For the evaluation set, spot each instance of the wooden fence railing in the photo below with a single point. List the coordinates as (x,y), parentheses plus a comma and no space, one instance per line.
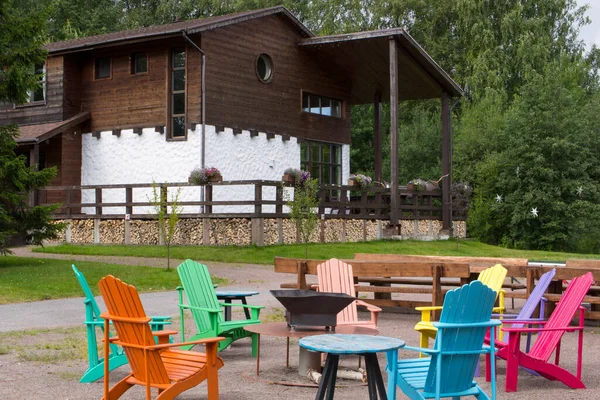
(266,201)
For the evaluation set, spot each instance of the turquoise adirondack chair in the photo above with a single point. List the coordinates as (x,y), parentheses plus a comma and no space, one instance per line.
(92,321)
(206,310)
(466,316)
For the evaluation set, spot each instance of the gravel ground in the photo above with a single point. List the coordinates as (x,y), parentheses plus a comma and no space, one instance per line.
(46,364)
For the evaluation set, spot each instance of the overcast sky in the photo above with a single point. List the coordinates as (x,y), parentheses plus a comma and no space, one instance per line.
(591,33)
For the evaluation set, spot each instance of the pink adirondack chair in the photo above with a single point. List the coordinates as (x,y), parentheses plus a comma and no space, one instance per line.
(550,335)
(335,276)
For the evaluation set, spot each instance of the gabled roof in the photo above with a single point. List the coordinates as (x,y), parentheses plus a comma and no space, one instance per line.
(173,29)
(31,134)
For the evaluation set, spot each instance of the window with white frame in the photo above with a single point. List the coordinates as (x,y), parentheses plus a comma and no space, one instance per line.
(38,94)
(314,104)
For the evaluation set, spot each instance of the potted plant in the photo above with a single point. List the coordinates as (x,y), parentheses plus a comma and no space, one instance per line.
(203,176)
(359,180)
(415,185)
(295,176)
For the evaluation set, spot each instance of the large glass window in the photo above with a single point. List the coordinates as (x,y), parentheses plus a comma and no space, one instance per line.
(178,93)
(311,103)
(39,93)
(323,160)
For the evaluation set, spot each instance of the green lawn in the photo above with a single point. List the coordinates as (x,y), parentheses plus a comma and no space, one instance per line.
(31,279)
(265,254)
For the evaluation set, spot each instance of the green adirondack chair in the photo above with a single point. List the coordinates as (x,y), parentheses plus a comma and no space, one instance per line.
(466,316)
(207,311)
(92,321)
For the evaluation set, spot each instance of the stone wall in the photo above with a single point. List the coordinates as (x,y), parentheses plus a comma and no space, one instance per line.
(240,232)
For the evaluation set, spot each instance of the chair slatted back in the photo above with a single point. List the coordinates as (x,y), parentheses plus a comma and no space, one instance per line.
(493,277)
(200,292)
(535,297)
(336,276)
(122,300)
(561,317)
(87,292)
(468,304)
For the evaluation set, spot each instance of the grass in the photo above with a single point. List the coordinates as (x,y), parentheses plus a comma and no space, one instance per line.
(32,279)
(265,254)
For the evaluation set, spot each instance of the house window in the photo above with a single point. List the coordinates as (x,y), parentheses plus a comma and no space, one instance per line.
(313,104)
(139,63)
(178,93)
(264,68)
(102,68)
(323,160)
(39,93)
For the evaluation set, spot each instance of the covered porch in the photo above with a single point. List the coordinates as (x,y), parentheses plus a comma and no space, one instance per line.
(389,66)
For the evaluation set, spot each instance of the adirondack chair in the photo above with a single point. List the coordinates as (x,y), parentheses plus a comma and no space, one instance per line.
(548,340)
(93,321)
(207,311)
(466,316)
(336,276)
(152,365)
(535,299)
(492,277)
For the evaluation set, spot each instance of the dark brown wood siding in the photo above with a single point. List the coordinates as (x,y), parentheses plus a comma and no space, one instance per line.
(71,86)
(237,98)
(39,113)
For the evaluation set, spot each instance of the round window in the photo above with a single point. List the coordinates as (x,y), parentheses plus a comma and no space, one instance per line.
(264,67)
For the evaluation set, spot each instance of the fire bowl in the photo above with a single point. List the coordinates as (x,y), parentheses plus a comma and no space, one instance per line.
(308,308)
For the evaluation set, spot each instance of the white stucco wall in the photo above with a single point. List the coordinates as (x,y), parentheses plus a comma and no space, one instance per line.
(149,157)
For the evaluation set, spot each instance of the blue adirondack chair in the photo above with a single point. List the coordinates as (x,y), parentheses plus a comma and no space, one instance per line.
(466,316)
(92,321)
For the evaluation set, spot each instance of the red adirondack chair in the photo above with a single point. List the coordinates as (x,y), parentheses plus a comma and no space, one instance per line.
(336,276)
(549,338)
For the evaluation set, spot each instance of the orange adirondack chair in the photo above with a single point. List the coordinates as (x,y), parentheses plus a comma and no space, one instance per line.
(335,276)
(152,365)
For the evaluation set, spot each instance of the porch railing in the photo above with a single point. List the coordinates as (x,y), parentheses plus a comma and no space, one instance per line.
(234,199)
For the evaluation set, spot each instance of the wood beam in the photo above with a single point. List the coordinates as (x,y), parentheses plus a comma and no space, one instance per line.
(446,165)
(394,198)
(377,135)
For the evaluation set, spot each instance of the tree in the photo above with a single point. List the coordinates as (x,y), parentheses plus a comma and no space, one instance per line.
(303,207)
(21,39)
(167,221)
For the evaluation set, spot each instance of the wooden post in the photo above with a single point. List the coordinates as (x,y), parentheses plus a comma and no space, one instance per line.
(377,135)
(128,211)
(257,200)
(205,231)
(98,201)
(436,290)
(394,131)
(446,166)
(301,282)
(208,198)
(96,230)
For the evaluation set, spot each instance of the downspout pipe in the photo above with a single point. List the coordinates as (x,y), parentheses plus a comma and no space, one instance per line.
(202,110)
(202,97)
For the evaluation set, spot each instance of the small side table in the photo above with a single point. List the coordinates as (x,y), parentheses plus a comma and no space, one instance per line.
(228,295)
(365,345)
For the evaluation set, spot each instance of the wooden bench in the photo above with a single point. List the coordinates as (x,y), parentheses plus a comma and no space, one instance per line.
(400,271)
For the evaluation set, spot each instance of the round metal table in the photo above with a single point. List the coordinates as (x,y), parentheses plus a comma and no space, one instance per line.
(365,345)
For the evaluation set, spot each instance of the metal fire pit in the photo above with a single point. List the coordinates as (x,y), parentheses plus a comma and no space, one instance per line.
(310,308)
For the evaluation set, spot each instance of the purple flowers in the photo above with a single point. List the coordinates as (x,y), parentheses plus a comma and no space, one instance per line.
(201,176)
(360,180)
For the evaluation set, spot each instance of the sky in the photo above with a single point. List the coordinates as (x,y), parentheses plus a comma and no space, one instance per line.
(591,33)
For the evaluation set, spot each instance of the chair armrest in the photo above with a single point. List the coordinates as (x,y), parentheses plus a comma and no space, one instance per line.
(241,305)
(526,330)
(369,307)
(314,287)
(493,322)
(211,310)
(428,308)
(168,345)
(157,318)
(164,335)
(420,349)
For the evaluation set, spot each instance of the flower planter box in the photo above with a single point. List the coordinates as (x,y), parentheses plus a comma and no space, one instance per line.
(288,179)
(215,179)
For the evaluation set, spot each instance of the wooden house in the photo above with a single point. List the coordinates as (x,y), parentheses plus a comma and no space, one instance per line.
(251,93)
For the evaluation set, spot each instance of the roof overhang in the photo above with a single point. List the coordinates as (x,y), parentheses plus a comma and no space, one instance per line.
(34,134)
(170,30)
(363,58)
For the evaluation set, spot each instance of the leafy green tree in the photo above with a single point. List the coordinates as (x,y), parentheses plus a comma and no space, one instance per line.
(21,38)
(167,221)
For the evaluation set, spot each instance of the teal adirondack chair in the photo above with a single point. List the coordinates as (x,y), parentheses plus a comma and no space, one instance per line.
(92,321)
(207,311)
(466,316)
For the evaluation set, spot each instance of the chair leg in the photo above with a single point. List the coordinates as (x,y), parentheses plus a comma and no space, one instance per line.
(512,364)
(424,343)
(254,344)
(120,387)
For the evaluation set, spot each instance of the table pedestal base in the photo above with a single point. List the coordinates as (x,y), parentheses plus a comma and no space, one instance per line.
(308,360)
(374,378)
